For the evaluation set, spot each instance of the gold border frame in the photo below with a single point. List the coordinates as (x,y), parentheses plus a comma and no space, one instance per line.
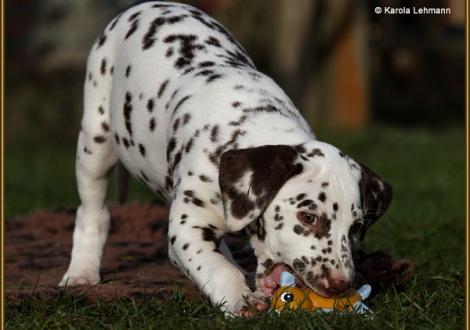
(2,153)
(2,248)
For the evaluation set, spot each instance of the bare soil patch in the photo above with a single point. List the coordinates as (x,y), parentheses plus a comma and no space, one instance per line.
(135,261)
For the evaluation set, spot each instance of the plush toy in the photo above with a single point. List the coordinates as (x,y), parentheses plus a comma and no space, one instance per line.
(289,296)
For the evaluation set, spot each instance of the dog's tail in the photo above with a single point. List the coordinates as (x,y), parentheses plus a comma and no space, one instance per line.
(122,183)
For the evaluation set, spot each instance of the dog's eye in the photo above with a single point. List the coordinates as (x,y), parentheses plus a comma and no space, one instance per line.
(307,218)
(287,297)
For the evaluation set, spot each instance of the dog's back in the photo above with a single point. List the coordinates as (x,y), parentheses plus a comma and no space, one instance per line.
(169,79)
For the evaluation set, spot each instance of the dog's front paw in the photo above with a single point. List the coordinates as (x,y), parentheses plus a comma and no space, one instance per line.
(251,305)
(79,279)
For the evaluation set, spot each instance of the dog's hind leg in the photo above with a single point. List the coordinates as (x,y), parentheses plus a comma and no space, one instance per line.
(95,158)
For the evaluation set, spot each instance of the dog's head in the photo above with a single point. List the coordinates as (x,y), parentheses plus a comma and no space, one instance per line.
(306,206)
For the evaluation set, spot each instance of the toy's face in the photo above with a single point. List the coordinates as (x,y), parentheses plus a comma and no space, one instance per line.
(315,219)
(292,298)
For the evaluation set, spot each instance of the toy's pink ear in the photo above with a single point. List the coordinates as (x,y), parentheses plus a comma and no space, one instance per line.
(250,178)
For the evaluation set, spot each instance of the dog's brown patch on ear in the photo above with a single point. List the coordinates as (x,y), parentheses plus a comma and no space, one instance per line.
(269,167)
(376,196)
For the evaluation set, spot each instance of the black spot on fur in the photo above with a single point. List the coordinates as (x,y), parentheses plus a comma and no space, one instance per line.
(116,137)
(213,42)
(103,66)
(335,207)
(215,133)
(142,149)
(322,197)
(152,124)
(324,184)
(186,118)
(315,152)
(204,178)
(127,109)
(150,105)
(213,77)
(185,246)
(182,61)
(134,16)
(307,203)
(298,229)
(149,37)
(99,139)
(132,29)
(180,103)
(298,265)
(176,124)
(169,52)
(128,70)
(240,121)
(204,73)
(206,64)
(105,126)
(171,147)
(101,110)
(198,202)
(300,197)
(209,235)
(101,40)
(113,24)
(189,145)
(162,88)
(172,240)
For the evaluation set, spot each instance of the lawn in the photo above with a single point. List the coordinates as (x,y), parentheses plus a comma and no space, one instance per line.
(425,223)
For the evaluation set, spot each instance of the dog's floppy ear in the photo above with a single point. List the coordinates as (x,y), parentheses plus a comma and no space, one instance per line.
(376,196)
(250,178)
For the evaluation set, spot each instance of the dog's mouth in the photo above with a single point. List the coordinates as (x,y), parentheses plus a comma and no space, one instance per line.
(271,281)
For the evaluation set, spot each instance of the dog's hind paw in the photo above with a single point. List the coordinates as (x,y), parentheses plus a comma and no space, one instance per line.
(76,280)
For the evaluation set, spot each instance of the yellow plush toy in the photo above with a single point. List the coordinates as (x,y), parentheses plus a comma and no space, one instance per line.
(291,297)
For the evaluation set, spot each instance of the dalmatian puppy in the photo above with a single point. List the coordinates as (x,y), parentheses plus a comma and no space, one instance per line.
(175,98)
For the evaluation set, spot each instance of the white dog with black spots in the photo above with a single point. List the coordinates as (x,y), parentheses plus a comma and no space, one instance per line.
(175,98)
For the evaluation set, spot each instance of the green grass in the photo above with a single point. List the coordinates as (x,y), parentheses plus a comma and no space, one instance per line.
(41,178)
(425,223)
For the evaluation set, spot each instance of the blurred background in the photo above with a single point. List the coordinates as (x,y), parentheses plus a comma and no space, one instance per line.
(355,75)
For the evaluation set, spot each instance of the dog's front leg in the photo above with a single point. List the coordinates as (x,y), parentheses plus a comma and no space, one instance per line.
(193,235)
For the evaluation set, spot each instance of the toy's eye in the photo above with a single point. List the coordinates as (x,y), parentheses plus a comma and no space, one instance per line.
(307,218)
(287,297)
